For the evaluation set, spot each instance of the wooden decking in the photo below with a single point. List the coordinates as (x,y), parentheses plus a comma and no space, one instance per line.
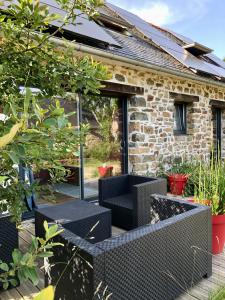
(201,291)
(25,291)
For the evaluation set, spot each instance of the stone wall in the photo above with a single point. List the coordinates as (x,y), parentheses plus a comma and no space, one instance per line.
(151,118)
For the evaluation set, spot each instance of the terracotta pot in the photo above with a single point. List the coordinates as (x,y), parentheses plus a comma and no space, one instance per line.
(105,171)
(203,202)
(177,183)
(218,234)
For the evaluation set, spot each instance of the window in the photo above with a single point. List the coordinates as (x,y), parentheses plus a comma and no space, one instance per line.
(180,122)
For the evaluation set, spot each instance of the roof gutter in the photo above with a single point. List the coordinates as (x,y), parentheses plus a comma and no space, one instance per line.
(94,51)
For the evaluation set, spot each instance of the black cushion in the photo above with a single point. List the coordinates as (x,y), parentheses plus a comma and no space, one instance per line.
(124,201)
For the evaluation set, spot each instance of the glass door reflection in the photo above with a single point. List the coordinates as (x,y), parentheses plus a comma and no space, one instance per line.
(103,152)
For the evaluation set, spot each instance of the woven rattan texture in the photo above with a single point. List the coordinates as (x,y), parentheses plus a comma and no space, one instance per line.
(133,188)
(152,262)
(8,238)
(84,219)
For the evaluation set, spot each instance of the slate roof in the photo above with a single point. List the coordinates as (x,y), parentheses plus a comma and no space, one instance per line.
(136,48)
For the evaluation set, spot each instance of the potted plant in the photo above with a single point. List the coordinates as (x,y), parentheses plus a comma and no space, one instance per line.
(178,176)
(210,190)
(105,171)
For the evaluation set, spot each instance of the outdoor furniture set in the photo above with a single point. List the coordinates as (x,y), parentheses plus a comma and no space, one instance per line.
(164,251)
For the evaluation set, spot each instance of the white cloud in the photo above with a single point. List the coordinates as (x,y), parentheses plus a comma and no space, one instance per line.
(157,13)
(166,12)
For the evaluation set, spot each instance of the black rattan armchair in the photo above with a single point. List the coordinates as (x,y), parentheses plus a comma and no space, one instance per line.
(128,198)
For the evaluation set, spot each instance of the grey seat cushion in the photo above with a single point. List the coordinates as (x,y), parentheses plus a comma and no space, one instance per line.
(123,201)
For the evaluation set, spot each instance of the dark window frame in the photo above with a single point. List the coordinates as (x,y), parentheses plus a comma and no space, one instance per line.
(181,110)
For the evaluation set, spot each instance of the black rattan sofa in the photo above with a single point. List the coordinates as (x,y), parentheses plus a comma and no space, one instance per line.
(128,198)
(158,261)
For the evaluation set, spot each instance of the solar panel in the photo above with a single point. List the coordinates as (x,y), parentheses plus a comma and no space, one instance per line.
(181,37)
(211,56)
(167,44)
(216,59)
(83,26)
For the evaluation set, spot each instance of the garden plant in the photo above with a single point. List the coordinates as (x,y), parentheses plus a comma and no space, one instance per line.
(35,74)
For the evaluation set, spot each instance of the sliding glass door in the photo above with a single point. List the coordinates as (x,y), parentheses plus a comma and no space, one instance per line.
(104,152)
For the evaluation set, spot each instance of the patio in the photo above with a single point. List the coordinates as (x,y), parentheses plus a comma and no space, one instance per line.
(201,291)
(106,115)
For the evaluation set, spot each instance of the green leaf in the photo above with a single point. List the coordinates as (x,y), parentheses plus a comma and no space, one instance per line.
(26,257)
(5,285)
(45,226)
(52,230)
(21,275)
(17,256)
(50,122)
(62,122)
(42,241)
(4,267)
(14,157)
(32,275)
(13,282)
(28,95)
(46,254)
(57,112)
(34,242)
(51,245)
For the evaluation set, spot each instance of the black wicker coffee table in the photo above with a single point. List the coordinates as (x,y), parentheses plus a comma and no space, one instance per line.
(79,217)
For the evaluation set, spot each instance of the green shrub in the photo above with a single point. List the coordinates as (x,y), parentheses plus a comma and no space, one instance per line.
(104,151)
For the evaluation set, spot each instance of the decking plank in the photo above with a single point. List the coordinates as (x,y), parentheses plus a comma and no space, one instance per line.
(27,290)
(11,294)
(186,297)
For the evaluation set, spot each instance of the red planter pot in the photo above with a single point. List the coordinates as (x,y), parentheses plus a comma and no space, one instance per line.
(177,183)
(218,234)
(105,171)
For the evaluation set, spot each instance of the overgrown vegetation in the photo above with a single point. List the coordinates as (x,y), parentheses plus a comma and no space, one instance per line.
(210,186)
(104,112)
(35,132)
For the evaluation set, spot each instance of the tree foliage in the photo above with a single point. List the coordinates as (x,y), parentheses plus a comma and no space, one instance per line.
(24,265)
(35,73)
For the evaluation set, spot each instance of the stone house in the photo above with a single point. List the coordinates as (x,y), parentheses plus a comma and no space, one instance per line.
(175,97)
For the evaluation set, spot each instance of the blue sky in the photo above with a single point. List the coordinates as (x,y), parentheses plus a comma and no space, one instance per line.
(201,20)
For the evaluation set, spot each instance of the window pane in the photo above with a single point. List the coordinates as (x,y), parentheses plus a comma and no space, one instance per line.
(180,118)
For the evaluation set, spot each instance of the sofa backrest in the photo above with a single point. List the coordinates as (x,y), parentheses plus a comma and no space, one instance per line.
(136,179)
(111,187)
(139,263)
(151,262)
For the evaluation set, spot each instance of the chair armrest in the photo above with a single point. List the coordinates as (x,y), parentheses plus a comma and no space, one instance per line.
(112,187)
(157,186)
(142,193)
